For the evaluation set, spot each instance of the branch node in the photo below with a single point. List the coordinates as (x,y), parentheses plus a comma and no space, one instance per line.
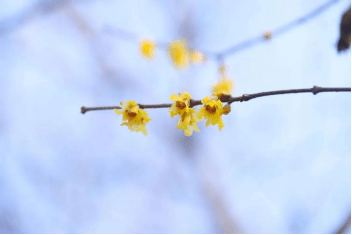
(244,97)
(225,98)
(316,90)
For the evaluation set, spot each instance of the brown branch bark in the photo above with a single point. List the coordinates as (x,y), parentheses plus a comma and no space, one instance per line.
(344,226)
(315,90)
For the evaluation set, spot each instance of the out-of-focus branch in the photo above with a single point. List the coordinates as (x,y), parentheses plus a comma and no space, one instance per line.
(281,30)
(315,90)
(220,56)
(85,28)
(40,8)
(47,6)
(344,226)
(209,176)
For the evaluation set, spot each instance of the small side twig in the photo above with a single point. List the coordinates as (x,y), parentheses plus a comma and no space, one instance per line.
(344,226)
(315,90)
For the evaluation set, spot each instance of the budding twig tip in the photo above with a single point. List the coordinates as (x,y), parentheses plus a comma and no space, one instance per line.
(83,110)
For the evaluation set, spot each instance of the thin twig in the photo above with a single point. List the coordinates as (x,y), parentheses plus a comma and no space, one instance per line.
(282,29)
(315,90)
(40,8)
(344,226)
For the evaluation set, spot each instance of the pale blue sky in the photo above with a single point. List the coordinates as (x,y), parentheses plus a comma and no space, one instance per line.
(282,164)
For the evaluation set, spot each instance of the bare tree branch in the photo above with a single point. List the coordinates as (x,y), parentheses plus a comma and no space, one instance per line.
(238,47)
(315,90)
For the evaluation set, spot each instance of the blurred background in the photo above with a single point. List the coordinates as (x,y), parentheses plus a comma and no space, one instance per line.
(281,164)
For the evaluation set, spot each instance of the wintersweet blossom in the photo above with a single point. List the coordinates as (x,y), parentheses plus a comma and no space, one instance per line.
(188,119)
(181,104)
(212,111)
(267,35)
(133,116)
(147,48)
(224,87)
(179,53)
(197,57)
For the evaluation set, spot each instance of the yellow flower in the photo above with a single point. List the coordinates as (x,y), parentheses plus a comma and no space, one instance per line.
(179,53)
(197,57)
(147,48)
(212,111)
(267,35)
(224,87)
(181,104)
(188,119)
(133,117)
(188,122)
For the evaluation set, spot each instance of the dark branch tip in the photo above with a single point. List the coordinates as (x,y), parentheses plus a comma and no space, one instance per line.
(83,110)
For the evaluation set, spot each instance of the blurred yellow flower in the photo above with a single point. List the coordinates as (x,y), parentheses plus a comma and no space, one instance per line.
(147,48)
(133,117)
(223,87)
(188,119)
(179,53)
(197,57)
(267,35)
(211,111)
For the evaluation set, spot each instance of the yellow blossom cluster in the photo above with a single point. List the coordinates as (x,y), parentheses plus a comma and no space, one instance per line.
(188,119)
(225,85)
(181,56)
(136,118)
(133,117)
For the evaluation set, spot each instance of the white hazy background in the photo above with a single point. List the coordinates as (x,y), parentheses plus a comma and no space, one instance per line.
(282,164)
